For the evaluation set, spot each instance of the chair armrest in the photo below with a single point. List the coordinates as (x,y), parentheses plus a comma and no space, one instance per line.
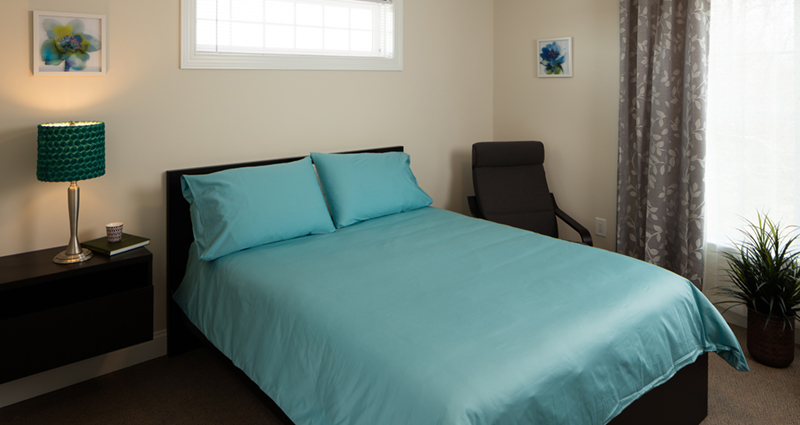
(586,237)
(473,207)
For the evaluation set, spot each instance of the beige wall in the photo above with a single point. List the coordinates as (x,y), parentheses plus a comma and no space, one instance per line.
(469,76)
(576,117)
(159,117)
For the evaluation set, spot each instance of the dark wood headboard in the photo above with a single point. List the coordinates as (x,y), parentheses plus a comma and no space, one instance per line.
(179,223)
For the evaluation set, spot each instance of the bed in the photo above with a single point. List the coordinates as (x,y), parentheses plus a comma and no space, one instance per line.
(427,316)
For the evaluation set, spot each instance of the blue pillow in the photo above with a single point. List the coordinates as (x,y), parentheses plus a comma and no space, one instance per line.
(362,186)
(245,207)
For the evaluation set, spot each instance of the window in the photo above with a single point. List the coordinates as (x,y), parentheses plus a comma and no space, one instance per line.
(753,146)
(752,153)
(292,34)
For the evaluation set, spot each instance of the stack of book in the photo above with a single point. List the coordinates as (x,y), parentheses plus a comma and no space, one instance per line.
(127,243)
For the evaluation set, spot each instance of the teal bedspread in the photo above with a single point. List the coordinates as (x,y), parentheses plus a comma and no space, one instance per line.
(431,317)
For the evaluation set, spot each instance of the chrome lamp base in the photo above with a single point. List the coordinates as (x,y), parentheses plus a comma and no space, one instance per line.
(64,258)
(74,252)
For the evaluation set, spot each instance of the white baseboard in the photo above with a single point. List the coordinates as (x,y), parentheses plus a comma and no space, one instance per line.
(735,319)
(54,379)
(741,321)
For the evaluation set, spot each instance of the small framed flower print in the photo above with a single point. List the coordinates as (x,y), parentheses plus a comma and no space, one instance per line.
(69,44)
(554,57)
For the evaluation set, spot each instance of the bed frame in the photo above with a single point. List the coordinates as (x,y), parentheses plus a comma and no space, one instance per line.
(681,400)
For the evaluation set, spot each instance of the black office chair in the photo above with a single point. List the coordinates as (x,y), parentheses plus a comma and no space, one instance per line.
(511,188)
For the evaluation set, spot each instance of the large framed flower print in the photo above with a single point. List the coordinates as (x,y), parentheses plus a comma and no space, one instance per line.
(69,44)
(554,57)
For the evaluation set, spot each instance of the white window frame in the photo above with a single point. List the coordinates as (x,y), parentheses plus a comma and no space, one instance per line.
(192,59)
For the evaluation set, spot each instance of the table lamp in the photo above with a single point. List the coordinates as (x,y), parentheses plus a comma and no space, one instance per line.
(68,152)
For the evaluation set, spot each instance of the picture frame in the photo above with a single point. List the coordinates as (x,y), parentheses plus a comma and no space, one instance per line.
(554,57)
(69,44)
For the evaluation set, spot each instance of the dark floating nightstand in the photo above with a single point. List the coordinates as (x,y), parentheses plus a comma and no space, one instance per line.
(53,314)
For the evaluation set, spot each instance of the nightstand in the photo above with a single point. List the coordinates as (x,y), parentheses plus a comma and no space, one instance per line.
(53,314)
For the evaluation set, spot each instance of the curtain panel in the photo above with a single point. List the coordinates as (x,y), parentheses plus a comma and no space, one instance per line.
(663,73)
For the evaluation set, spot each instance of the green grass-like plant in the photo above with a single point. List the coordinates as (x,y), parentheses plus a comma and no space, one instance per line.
(764,271)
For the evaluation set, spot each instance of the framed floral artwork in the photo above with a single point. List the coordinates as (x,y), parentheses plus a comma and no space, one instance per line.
(69,44)
(554,57)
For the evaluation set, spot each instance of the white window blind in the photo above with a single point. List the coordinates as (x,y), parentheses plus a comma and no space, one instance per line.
(292,34)
(752,159)
(753,127)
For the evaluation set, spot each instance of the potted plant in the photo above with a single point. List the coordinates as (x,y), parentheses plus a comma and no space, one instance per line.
(765,276)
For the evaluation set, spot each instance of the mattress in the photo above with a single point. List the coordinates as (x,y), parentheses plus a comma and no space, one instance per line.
(431,317)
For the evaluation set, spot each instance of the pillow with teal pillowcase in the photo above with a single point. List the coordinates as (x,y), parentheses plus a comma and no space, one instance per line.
(241,208)
(362,186)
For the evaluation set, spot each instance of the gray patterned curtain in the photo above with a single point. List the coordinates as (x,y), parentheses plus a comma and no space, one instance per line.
(663,71)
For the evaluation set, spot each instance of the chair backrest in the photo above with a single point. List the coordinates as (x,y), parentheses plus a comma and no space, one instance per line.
(511,187)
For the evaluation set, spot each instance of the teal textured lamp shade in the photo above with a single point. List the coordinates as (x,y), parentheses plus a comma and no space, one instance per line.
(71,151)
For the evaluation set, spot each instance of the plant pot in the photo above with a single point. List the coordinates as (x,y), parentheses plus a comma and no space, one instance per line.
(771,346)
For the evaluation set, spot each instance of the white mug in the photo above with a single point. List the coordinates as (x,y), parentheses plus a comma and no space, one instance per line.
(114,232)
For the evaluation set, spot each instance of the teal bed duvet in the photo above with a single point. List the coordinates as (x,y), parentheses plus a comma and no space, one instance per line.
(431,317)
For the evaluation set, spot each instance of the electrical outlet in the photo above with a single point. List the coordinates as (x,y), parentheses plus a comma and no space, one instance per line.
(600,227)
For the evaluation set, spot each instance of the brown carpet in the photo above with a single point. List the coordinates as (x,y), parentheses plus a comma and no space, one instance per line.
(200,388)
(763,396)
(195,388)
